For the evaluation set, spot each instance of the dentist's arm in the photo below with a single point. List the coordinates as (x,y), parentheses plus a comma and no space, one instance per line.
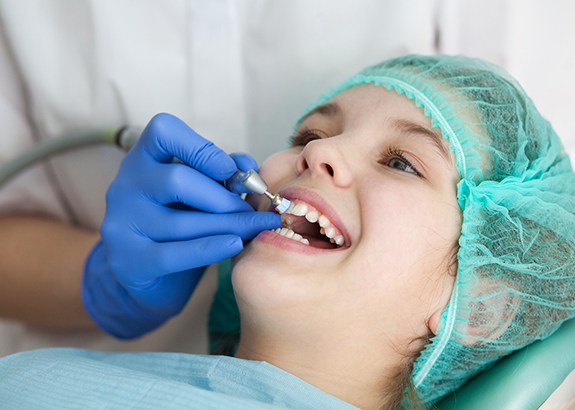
(164,223)
(41,264)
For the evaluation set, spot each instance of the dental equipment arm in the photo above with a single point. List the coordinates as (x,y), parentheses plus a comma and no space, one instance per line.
(164,223)
(123,137)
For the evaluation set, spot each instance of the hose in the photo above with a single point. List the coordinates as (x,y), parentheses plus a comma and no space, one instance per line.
(124,137)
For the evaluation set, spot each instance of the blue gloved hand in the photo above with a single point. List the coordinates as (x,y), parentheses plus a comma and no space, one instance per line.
(164,223)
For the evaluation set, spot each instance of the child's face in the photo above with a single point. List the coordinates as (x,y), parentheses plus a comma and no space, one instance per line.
(370,161)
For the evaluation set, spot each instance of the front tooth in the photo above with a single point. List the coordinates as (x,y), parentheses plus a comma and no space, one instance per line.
(278,230)
(304,241)
(290,208)
(330,231)
(289,233)
(323,221)
(283,231)
(312,216)
(339,240)
(300,209)
(297,237)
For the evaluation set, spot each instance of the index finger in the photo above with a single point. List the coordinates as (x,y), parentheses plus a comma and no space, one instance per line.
(166,137)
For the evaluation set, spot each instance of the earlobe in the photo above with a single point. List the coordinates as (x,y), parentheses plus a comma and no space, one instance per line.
(433,321)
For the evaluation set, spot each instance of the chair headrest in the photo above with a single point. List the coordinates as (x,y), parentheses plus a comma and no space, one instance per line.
(521,381)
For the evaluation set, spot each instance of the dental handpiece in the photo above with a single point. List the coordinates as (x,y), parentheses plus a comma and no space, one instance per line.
(251,182)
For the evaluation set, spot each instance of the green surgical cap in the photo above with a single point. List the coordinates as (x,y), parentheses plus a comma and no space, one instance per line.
(515,280)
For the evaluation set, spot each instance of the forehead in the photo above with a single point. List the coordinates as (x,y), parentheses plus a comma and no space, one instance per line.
(377,102)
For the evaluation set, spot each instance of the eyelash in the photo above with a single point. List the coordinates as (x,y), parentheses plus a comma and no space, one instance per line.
(395,153)
(299,139)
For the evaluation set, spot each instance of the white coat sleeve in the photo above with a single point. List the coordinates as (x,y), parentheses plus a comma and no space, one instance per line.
(32,191)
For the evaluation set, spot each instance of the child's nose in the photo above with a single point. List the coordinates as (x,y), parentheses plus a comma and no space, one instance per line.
(325,158)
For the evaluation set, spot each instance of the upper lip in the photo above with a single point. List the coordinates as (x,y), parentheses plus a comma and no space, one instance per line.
(318,202)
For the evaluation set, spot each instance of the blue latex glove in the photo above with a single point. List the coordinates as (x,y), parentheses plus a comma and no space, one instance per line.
(164,223)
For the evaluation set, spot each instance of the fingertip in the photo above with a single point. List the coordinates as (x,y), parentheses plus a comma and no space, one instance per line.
(244,161)
(265,220)
(216,163)
(273,219)
(235,243)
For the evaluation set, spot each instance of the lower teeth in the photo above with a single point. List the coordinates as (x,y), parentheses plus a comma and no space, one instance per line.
(287,232)
(290,234)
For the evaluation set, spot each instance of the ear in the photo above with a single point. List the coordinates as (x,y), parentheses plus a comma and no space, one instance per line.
(433,321)
(491,309)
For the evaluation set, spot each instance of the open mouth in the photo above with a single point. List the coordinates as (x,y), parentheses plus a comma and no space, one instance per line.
(303,223)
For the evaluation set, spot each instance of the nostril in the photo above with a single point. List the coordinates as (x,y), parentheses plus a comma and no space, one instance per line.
(301,165)
(329,169)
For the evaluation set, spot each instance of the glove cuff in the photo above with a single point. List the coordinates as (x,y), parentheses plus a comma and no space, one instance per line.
(109,305)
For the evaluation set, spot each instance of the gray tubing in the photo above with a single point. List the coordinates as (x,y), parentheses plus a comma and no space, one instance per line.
(60,145)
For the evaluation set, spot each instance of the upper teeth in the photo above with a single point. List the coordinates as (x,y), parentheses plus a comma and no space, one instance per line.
(312,215)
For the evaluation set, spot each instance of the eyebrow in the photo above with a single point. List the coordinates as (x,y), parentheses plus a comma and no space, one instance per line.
(330,109)
(412,128)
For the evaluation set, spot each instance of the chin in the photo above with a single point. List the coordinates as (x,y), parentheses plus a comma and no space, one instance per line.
(251,276)
(262,278)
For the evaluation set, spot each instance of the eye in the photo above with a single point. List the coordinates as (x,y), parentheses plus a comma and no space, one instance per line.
(395,158)
(304,136)
(400,164)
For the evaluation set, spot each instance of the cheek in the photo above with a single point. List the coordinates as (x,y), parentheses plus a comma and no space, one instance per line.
(278,166)
(277,170)
(407,233)
(408,217)
(390,216)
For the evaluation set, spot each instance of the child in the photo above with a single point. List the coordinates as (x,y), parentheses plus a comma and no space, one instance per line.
(456,200)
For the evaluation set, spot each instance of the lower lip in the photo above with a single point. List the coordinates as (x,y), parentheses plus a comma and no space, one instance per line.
(287,244)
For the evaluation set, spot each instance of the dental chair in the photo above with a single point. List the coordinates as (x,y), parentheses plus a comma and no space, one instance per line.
(523,380)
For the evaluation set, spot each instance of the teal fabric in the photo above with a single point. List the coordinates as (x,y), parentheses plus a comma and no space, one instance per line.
(66,379)
(523,380)
(224,320)
(515,281)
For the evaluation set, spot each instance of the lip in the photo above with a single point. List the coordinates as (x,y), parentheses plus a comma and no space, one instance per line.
(318,202)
